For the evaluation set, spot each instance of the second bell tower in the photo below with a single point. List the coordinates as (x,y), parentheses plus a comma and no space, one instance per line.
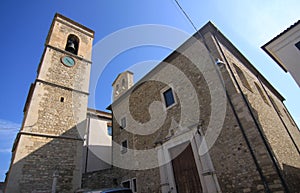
(48,149)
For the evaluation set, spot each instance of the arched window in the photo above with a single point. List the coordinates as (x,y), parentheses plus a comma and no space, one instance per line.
(72,44)
(117,89)
(123,83)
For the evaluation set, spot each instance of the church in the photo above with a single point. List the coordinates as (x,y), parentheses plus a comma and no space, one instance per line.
(203,120)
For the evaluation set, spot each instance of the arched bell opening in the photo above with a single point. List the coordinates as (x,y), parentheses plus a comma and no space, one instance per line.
(72,44)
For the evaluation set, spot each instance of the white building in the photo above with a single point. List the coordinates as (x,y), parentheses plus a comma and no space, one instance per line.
(97,143)
(284,49)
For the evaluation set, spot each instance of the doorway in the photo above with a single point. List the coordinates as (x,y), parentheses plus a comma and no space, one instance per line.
(185,171)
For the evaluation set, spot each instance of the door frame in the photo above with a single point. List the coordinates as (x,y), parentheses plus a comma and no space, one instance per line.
(209,183)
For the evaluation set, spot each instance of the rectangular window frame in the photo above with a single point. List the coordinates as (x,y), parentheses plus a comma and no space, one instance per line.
(123,123)
(126,181)
(123,148)
(132,185)
(162,93)
(109,130)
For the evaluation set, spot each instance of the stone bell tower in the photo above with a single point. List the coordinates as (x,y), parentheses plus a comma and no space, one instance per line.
(122,83)
(48,149)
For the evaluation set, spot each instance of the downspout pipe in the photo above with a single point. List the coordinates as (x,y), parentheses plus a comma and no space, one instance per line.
(269,150)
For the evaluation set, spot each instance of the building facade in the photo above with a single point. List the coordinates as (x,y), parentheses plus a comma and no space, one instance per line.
(284,50)
(97,141)
(204,120)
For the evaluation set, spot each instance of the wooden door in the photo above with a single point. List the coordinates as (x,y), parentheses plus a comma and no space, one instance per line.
(185,170)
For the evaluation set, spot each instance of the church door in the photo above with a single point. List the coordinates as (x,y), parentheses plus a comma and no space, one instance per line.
(185,170)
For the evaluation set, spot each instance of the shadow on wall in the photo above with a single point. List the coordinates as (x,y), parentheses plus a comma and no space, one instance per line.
(1,187)
(106,178)
(292,176)
(96,157)
(57,157)
(290,173)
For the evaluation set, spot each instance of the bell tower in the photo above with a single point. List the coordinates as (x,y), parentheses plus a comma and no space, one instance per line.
(48,149)
(122,83)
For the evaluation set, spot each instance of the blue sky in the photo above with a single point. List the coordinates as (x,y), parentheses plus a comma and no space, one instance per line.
(25,24)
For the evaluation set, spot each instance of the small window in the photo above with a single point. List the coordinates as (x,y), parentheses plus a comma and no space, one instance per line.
(124,146)
(117,89)
(123,123)
(62,99)
(263,96)
(298,45)
(134,188)
(131,184)
(169,97)
(242,77)
(109,130)
(123,83)
(126,184)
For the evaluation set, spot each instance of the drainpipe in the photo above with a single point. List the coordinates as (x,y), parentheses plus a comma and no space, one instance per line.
(54,182)
(269,150)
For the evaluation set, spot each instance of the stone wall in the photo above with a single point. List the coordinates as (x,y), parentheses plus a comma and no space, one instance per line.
(255,149)
(251,134)
(278,129)
(147,181)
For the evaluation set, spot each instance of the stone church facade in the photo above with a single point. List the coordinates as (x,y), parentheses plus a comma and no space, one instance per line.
(242,139)
(203,120)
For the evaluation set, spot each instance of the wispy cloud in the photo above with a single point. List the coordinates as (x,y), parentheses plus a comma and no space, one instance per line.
(8,131)
(8,126)
(5,150)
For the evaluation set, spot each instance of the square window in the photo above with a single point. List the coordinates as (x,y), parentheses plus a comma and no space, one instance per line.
(123,123)
(169,97)
(124,146)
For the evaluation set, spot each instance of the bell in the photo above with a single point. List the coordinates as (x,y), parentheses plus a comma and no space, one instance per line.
(71,47)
